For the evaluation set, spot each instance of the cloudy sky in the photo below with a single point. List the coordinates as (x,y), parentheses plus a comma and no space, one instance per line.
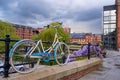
(79,15)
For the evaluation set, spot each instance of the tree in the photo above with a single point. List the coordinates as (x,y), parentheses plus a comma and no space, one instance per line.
(48,33)
(6,28)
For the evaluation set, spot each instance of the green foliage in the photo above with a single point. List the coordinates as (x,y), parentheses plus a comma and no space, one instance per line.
(80,58)
(21,58)
(48,34)
(35,37)
(6,28)
(50,63)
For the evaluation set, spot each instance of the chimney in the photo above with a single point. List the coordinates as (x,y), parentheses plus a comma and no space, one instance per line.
(117,2)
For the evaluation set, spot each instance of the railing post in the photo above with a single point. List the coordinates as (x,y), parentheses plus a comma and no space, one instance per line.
(6,64)
(89,51)
(64,57)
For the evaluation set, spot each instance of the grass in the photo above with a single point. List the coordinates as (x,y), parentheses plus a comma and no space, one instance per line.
(50,63)
(75,46)
(53,62)
(80,58)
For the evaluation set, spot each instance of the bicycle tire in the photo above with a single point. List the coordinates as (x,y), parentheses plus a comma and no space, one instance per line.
(17,56)
(62,53)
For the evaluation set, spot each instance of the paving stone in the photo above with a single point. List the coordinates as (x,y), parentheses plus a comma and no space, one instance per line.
(110,69)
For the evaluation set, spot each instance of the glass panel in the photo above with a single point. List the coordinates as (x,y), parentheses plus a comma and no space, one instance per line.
(106,18)
(112,21)
(109,25)
(113,12)
(113,17)
(105,31)
(105,25)
(106,13)
(109,30)
(113,25)
(112,30)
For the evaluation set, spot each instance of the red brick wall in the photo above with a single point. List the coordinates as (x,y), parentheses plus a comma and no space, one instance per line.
(87,38)
(79,74)
(67,29)
(24,32)
(115,1)
(118,26)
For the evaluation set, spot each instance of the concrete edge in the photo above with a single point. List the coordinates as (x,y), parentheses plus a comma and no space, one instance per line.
(56,72)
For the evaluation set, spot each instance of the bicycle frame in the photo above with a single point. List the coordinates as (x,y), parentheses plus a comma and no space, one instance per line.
(49,50)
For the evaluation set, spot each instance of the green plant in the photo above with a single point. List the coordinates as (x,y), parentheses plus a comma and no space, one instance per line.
(6,28)
(47,34)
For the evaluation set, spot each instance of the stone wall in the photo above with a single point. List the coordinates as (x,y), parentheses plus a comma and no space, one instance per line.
(79,74)
(70,71)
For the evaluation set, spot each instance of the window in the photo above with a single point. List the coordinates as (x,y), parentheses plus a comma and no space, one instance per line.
(106,18)
(113,12)
(113,17)
(112,30)
(109,26)
(105,31)
(106,13)
(105,25)
(113,25)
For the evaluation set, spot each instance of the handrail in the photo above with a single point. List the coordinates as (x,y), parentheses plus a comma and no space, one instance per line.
(7,41)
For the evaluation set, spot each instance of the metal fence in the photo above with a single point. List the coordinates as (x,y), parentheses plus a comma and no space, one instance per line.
(7,41)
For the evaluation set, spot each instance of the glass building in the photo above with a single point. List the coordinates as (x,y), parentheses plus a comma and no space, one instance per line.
(109,27)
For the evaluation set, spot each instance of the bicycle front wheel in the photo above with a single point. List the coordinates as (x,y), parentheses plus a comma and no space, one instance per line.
(18,60)
(62,53)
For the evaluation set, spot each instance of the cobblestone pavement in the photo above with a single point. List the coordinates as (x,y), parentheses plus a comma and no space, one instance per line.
(110,69)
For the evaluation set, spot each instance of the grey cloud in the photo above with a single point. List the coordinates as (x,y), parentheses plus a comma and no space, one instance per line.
(32,8)
(43,11)
(27,10)
(5,4)
(96,25)
(89,15)
(80,14)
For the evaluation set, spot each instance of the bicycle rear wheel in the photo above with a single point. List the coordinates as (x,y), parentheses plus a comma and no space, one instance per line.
(62,53)
(18,60)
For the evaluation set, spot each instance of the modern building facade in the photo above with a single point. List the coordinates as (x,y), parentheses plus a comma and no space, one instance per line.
(111,26)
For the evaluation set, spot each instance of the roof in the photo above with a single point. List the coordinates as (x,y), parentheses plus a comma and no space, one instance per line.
(77,35)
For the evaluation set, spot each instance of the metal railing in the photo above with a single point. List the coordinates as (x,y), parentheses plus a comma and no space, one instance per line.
(7,41)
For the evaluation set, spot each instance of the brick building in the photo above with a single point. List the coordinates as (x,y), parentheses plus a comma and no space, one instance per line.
(111,26)
(84,38)
(67,29)
(118,22)
(25,32)
(37,30)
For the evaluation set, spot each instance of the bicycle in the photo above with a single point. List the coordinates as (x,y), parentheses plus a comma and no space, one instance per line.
(29,53)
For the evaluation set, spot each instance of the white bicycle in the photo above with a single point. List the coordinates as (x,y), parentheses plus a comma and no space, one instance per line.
(29,53)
